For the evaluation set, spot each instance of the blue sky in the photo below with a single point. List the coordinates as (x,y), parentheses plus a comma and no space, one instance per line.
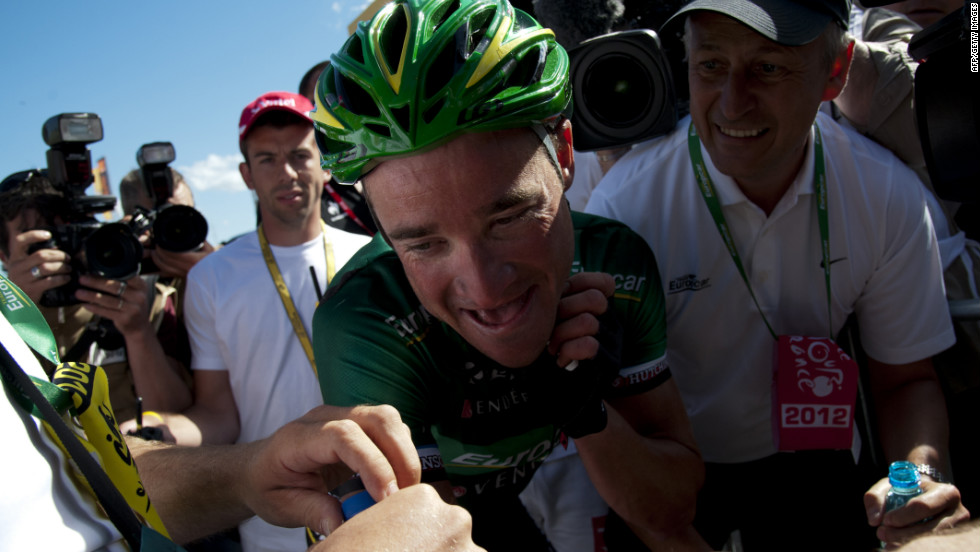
(174,71)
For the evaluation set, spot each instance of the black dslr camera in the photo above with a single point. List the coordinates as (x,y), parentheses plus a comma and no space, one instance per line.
(176,228)
(106,250)
(622,90)
(109,250)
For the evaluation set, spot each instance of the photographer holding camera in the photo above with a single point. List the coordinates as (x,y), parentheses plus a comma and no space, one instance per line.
(133,194)
(99,320)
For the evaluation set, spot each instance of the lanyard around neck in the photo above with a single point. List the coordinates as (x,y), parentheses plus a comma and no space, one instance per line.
(287,300)
(714,207)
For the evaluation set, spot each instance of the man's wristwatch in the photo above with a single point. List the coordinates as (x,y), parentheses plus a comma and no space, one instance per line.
(933,473)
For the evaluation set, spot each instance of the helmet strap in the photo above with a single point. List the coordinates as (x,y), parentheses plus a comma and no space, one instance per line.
(549,145)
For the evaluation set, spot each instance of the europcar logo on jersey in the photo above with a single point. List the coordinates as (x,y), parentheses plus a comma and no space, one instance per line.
(688,282)
(539,451)
(414,326)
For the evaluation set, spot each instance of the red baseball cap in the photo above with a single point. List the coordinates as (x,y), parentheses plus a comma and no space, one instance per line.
(273,101)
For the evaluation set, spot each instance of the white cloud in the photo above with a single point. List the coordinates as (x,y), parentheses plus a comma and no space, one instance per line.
(216,172)
(356,8)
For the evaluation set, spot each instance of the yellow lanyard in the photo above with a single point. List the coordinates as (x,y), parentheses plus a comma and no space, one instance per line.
(287,300)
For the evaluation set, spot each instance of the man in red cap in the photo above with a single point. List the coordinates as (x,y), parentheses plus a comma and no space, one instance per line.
(250,306)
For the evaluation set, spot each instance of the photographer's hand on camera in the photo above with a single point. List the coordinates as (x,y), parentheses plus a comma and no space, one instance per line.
(178,264)
(39,271)
(125,302)
(156,375)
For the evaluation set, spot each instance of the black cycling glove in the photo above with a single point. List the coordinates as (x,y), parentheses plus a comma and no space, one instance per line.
(572,398)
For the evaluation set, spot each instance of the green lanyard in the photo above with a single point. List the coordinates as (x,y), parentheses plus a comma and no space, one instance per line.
(714,207)
(103,458)
(24,316)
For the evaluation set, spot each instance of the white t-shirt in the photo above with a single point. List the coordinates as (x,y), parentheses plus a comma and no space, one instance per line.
(41,508)
(588,173)
(236,322)
(883,252)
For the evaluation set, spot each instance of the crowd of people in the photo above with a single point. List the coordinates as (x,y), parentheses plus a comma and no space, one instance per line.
(508,343)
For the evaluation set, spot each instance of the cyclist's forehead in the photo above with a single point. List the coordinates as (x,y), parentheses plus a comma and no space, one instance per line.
(476,174)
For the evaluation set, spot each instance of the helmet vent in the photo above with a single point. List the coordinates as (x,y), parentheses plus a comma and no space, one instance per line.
(354,98)
(443,67)
(476,27)
(439,17)
(401,115)
(354,49)
(329,146)
(429,114)
(528,70)
(522,21)
(392,39)
(380,130)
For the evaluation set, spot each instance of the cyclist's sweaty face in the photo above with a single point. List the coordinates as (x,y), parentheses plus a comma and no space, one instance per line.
(485,237)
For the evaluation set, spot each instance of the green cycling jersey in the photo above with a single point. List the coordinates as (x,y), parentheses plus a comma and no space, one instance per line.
(374,343)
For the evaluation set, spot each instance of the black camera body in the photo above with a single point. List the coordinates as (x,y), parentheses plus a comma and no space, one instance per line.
(176,228)
(106,250)
(947,104)
(622,90)
(109,250)
(95,247)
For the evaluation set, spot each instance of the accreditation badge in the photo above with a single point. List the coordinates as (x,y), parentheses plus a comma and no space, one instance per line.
(814,392)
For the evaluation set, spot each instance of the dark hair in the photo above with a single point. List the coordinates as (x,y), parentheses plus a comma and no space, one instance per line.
(277,118)
(308,82)
(30,190)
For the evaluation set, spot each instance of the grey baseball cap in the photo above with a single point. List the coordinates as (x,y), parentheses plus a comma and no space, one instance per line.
(787,22)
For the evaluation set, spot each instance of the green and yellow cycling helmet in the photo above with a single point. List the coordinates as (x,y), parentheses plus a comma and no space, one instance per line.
(424,71)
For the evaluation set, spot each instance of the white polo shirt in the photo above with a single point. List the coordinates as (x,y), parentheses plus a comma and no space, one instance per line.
(883,254)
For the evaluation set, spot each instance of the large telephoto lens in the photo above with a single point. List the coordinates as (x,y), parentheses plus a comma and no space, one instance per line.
(113,251)
(618,89)
(622,90)
(179,228)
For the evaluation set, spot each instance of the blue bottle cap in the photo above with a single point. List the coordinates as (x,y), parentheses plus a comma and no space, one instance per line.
(356,503)
(903,475)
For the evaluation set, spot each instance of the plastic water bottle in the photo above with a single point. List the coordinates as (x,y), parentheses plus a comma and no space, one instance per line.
(904,478)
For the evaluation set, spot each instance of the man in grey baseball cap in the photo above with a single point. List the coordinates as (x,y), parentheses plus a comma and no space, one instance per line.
(789,23)
(789,224)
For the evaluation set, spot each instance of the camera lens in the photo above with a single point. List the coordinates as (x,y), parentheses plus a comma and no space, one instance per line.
(179,228)
(619,89)
(622,90)
(113,251)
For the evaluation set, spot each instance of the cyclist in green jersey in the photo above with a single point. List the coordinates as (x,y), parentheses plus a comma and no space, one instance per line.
(499,323)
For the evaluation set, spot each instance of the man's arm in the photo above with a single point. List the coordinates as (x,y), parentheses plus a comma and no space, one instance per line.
(285,478)
(414,518)
(645,463)
(156,375)
(912,425)
(212,419)
(179,264)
